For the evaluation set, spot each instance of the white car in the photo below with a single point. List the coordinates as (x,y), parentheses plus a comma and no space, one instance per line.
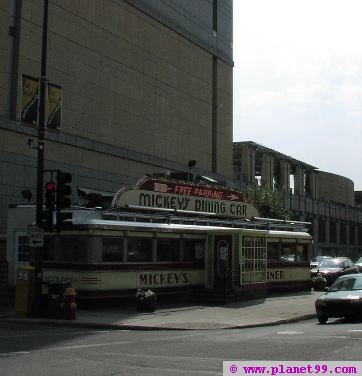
(358,263)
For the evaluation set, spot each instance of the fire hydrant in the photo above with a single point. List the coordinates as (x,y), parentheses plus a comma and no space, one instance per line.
(70,305)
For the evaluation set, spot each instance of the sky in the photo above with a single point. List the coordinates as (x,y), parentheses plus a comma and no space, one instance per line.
(298,80)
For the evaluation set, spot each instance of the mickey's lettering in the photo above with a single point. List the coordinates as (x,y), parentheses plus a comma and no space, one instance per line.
(159,279)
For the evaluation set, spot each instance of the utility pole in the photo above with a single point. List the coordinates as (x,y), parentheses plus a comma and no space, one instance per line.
(41,123)
(37,252)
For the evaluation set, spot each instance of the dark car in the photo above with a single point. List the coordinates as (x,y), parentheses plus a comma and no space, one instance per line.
(316,260)
(358,263)
(333,268)
(343,299)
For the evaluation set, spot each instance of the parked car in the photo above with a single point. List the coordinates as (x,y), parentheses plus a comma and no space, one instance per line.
(316,260)
(343,299)
(358,263)
(332,268)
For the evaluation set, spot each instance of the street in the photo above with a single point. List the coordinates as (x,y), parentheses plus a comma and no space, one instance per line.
(42,351)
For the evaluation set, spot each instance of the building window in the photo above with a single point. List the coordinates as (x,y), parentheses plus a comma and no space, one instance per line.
(214,15)
(343,234)
(359,235)
(321,230)
(352,234)
(2,249)
(112,249)
(332,232)
(139,250)
(23,249)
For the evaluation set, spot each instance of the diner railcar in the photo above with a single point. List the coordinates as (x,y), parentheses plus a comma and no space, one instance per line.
(113,253)
(170,236)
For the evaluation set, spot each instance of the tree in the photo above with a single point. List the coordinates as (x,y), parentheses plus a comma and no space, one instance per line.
(268,201)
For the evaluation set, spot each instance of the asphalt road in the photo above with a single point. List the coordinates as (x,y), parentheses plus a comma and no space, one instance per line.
(51,351)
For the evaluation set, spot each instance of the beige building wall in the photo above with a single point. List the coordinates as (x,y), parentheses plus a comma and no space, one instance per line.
(224,119)
(4,53)
(131,82)
(335,188)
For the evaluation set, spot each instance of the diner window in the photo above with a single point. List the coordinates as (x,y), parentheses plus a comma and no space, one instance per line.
(294,253)
(112,249)
(273,252)
(139,249)
(193,250)
(73,248)
(168,250)
(49,249)
(289,252)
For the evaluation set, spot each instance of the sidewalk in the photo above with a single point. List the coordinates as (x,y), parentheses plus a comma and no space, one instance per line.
(273,310)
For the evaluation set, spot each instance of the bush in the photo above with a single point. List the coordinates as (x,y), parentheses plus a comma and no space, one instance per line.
(146,300)
(319,283)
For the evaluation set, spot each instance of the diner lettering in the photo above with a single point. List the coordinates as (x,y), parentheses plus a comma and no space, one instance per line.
(164,201)
(275,275)
(159,279)
(179,202)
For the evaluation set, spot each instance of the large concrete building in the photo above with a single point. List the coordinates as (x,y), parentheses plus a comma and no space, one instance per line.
(146,86)
(325,199)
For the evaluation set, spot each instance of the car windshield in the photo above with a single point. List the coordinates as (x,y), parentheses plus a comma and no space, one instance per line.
(331,263)
(320,258)
(359,260)
(347,284)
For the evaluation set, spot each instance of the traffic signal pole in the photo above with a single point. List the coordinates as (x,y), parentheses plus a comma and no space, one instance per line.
(41,123)
(37,252)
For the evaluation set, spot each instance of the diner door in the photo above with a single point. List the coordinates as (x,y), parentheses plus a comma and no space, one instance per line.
(253,260)
(223,261)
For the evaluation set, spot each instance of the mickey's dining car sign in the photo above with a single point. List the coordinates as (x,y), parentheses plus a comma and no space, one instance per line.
(165,194)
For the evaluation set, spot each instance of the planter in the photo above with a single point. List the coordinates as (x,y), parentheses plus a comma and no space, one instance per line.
(319,284)
(146,301)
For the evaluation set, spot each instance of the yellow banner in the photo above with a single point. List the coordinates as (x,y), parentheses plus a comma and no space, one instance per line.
(54,106)
(30,103)
(29,100)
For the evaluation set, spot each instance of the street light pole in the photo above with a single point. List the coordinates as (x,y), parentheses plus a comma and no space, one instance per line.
(37,252)
(41,123)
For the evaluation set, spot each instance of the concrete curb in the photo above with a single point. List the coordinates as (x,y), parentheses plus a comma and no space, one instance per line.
(94,325)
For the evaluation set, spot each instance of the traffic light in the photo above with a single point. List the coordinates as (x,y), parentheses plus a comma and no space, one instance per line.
(50,195)
(63,190)
(63,199)
(50,190)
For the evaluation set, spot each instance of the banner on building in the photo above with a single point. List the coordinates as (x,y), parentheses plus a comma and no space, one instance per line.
(30,103)
(54,106)
(29,100)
